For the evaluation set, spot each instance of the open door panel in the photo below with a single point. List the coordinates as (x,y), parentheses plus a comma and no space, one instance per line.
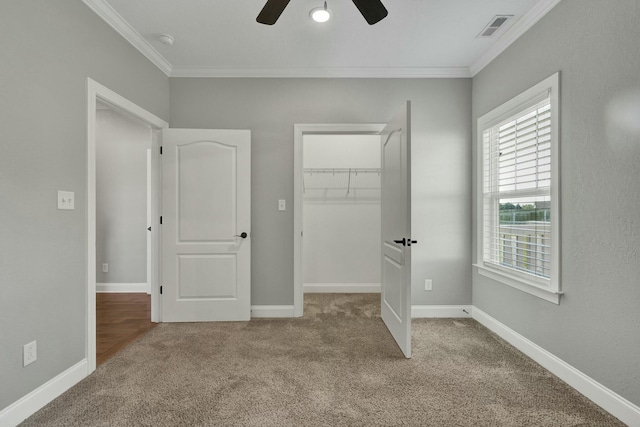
(396,228)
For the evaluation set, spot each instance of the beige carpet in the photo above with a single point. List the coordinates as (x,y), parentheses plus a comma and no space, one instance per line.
(338,366)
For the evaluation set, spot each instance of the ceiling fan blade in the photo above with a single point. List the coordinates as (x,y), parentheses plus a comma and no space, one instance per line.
(272,11)
(372,10)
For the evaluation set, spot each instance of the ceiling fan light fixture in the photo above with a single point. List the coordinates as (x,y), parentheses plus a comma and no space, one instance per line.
(320,14)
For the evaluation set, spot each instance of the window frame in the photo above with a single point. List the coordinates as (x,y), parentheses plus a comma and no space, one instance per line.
(547,289)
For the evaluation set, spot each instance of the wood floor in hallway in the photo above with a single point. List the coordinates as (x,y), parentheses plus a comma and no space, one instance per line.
(120,320)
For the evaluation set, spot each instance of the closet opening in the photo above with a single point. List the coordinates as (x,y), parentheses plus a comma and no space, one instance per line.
(338,212)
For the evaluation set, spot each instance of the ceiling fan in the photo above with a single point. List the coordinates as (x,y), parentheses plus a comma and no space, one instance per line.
(372,10)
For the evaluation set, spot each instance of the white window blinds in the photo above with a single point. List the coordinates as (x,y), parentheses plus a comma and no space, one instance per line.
(517,191)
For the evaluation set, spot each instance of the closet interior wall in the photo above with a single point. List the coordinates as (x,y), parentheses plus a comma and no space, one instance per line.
(341,213)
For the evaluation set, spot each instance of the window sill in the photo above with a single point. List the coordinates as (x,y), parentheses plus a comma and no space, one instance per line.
(530,288)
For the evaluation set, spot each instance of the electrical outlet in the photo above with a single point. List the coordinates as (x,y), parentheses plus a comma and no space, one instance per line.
(29,353)
(428,284)
(105,268)
(282,205)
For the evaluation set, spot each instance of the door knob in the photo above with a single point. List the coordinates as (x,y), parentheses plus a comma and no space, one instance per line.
(405,242)
(243,235)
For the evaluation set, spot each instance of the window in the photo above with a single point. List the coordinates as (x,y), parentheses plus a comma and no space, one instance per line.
(518,209)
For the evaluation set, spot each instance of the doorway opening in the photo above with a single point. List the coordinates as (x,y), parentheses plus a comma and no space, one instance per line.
(123,225)
(98,94)
(337,210)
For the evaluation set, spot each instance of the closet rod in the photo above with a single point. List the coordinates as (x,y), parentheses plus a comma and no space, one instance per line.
(334,171)
(342,170)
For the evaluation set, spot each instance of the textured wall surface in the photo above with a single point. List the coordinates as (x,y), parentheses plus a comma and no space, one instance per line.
(121,197)
(441,165)
(48,50)
(594,45)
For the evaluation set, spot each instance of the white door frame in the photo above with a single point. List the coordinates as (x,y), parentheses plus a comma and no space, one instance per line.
(97,92)
(150,188)
(299,130)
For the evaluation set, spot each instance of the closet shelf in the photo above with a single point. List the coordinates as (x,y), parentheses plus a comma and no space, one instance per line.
(342,170)
(342,179)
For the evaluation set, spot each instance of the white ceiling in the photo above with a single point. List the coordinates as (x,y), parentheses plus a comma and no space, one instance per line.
(419,38)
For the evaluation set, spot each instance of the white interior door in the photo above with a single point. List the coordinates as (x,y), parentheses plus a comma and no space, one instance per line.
(396,228)
(206,215)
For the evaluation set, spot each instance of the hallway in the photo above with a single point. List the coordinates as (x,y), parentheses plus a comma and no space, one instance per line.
(120,320)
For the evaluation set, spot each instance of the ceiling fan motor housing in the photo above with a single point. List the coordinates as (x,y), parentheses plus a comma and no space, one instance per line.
(373,11)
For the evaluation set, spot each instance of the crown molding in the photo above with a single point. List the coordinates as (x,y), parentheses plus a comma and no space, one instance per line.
(122,27)
(513,33)
(324,72)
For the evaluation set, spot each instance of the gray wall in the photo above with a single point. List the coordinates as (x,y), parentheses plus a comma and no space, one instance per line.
(121,197)
(594,44)
(441,164)
(48,49)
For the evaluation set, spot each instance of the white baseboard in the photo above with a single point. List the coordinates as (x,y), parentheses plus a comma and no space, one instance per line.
(341,288)
(261,311)
(28,405)
(434,311)
(122,287)
(610,401)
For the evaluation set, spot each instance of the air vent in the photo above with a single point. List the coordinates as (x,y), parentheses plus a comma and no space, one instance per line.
(494,25)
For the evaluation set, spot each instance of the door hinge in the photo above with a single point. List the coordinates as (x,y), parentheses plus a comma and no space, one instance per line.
(161,150)
(160,290)
(160,219)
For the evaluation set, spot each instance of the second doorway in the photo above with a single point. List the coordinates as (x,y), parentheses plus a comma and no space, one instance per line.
(341,213)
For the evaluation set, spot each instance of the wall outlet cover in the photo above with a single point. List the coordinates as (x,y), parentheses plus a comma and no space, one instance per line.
(428,284)
(30,353)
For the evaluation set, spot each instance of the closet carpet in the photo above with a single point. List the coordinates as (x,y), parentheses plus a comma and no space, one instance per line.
(337,366)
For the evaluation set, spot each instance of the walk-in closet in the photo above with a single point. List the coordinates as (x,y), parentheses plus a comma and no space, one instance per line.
(341,213)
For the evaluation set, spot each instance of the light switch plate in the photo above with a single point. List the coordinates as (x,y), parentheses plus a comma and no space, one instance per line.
(66,200)
(282,205)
